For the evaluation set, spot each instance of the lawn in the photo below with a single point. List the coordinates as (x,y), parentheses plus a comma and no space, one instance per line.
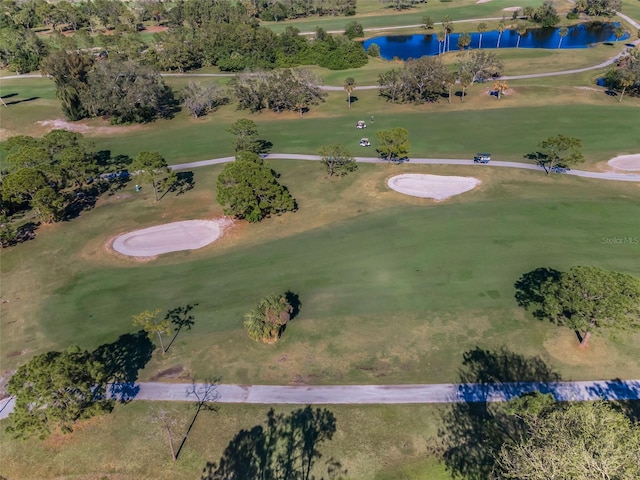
(393,289)
(371,442)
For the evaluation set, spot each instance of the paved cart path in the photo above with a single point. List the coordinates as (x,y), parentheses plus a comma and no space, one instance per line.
(621,177)
(374,394)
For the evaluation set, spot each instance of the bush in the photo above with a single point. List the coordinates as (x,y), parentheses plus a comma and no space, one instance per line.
(572,15)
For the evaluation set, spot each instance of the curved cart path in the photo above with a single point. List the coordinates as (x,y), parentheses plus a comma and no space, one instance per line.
(620,177)
(374,394)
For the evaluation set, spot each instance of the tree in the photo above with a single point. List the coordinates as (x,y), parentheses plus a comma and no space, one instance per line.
(200,99)
(480,64)
(353,30)
(579,440)
(21,185)
(449,82)
(603,7)
(500,86)
(427,23)
(521,29)
(482,27)
(464,40)
(349,87)
(70,71)
(561,151)
(625,76)
(441,37)
(466,80)
(246,132)
(49,205)
(248,189)
(267,320)
(547,15)
(152,168)
(148,321)
(394,143)
(584,299)
(337,159)
(562,33)
(501,27)
(56,389)
(619,32)
(127,92)
(447,25)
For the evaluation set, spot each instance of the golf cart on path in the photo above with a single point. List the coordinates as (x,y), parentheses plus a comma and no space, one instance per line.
(482,158)
(361,124)
(364,142)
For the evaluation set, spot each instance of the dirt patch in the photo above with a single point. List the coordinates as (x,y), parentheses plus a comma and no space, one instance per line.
(156,29)
(438,187)
(564,346)
(84,128)
(173,372)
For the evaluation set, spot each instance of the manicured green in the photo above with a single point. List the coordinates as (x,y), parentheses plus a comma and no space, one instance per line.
(393,289)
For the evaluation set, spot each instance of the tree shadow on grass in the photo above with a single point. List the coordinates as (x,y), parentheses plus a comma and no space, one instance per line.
(122,360)
(473,431)
(287,447)
(529,288)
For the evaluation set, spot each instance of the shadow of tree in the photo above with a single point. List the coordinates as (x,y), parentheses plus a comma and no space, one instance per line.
(286,448)
(529,288)
(180,318)
(473,432)
(185,181)
(122,360)
(293,299)
(625,394)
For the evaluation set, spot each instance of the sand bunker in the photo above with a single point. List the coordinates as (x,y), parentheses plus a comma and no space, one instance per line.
(511,9)
(437,187)
(483,1)
(628,163)
(170,237)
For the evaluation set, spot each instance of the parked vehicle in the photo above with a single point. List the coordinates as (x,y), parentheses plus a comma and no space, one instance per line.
(364,142)
(559,169)
(482,158)
(361,124)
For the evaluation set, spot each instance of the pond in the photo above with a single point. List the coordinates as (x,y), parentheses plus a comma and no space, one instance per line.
(405,47)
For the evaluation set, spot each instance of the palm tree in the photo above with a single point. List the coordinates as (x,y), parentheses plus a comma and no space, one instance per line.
(482,27)
(266,321)
(449,82)
(464,40)
(619,32)
(501,27)
(521,28)
(441,38)
(562,33)
(626,81)
(447,24)
(349,87)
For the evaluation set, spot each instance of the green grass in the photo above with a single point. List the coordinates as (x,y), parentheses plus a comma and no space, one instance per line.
(393,289)
(387,17)
(371,442)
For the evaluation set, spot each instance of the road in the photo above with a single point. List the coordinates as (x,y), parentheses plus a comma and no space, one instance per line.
(376,394)
(620,177)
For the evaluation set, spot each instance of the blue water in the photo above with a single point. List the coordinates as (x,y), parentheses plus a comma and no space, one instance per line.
(405,47)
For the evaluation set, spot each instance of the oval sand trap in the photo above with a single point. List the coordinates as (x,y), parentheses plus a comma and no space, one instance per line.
(629,163)
(170,237)
(438,187)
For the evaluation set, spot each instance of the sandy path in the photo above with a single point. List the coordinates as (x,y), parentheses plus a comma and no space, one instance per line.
(170,237)
(628,163)
(438,187)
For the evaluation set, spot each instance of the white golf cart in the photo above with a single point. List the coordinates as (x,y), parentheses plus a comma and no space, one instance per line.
(361,124)
(364,142)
